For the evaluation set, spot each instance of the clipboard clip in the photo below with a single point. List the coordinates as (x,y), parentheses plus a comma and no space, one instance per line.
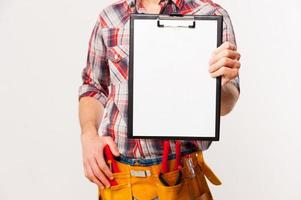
(175,16)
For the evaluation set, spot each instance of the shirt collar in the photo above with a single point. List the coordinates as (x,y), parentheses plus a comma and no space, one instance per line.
(178,3)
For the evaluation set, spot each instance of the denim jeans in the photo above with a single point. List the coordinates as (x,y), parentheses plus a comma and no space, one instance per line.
(150,161)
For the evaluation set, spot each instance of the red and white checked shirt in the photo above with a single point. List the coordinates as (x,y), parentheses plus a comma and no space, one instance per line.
(106,72)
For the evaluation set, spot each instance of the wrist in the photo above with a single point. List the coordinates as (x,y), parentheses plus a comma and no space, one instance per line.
(229,96)
(89,130)
(88,136)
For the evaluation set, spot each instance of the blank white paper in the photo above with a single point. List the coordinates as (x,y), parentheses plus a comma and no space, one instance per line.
(173,92)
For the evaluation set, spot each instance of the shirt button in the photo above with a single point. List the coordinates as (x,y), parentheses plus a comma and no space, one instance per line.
(116,56)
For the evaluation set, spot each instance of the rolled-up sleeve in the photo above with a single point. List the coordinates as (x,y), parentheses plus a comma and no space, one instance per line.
(228,35)
(95,75)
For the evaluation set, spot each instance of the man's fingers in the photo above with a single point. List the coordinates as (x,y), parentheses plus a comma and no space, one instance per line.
(227,54)
(227,72)
(224,62)
(90,175)
(97,171)
(225,45)
(103,166)
(225,80)
(113,146)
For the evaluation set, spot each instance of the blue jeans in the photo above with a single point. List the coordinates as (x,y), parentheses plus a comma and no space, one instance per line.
(148,162)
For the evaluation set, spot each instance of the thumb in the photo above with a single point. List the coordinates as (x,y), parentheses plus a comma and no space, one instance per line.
(113,146)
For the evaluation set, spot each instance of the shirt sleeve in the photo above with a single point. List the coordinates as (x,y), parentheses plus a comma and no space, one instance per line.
(95,75)
(228,35)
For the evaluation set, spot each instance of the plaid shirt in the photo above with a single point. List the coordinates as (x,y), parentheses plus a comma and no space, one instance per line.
(106,72)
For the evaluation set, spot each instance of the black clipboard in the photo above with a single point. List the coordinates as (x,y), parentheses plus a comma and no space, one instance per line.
(141,118)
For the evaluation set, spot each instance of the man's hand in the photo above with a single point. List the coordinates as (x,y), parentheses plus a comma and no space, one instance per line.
(96,169)
(225,62)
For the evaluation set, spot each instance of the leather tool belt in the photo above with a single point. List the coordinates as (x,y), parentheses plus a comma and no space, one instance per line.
(182,178)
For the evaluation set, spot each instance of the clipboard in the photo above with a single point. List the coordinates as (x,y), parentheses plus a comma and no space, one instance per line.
(171,93)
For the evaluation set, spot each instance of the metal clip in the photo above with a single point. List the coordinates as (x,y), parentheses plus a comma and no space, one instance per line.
(190,167)
(171,20)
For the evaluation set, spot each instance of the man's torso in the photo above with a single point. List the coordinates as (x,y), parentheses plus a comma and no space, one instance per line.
(114,21)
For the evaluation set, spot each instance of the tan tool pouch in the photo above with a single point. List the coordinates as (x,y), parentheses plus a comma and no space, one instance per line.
(142,182)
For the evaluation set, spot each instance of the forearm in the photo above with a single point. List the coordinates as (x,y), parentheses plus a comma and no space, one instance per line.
(229,97)
(90,114)
(95,166)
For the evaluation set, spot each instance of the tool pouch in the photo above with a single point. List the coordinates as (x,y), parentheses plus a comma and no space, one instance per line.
(199,186)
(178,191)
(192,186)
(121,191)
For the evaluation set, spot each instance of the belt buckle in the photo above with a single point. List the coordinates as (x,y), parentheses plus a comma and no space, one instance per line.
(140,173)
(136,162)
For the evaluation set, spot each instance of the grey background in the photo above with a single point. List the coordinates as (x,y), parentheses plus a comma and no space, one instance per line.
(43,47)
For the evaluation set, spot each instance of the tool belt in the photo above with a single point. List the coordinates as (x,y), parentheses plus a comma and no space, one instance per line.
(181,178)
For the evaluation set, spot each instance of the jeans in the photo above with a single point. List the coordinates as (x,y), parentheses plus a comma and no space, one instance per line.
(148,162)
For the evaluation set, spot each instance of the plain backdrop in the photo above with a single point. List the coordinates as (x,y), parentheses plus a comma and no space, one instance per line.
(43,48)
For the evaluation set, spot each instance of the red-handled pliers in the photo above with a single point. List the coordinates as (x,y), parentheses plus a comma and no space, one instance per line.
(164,167)
(111,162)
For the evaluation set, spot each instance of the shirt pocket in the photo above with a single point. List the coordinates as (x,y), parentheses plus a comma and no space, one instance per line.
(118,60)
(116,36)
